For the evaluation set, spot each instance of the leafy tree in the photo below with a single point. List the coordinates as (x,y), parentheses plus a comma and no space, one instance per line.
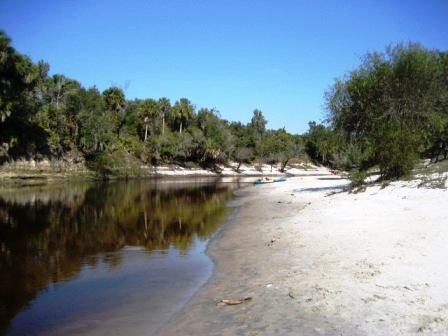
(290,146)
(96,131)
(242,135)
(320,143)
(257,126)
(167,147)
(131,131)
(19,78)
(132,122)
(390,107)
(243,143)
(242,155)
(58,110)
(439,149)
(180,147)
(217,144)
(258,123)
(58,89)
(280,147)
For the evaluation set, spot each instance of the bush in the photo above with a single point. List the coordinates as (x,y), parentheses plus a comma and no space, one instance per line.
(357,177)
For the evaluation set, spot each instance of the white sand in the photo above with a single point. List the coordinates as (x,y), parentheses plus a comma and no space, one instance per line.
(231,170)
(319,262)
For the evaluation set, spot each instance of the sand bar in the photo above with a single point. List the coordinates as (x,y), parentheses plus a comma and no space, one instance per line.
(319,261)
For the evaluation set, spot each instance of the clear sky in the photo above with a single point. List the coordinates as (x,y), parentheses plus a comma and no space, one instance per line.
(279,56)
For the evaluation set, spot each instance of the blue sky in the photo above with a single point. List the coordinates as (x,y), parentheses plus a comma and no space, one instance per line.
(232,55)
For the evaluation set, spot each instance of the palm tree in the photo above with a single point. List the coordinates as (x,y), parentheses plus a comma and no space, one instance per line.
(149,110)
(115,99)
(165,107)
(182,111)
(115,105)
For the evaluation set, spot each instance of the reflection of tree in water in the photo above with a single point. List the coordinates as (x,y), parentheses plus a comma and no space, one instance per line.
(48,234)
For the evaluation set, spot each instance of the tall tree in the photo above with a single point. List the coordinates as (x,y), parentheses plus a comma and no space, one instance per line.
(18,78)
(258,128)
(165,107)
(243,143)
(389,107)
(320,143)
(58,110)
(182,112)
(218,140)
(149,110)
(258,123)
(115,106)
(96,133)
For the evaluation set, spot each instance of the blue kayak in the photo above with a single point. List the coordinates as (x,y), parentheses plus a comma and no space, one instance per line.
(263,181)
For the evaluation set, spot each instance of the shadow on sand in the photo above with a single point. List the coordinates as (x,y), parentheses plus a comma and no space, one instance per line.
(335,188)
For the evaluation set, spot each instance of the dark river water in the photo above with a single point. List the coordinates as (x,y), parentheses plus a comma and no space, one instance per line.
(117,258)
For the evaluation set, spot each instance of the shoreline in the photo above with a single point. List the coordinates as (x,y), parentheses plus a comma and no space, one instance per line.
(319,261)
(41,173)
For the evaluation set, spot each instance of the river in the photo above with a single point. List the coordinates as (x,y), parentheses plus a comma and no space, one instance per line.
(116,258)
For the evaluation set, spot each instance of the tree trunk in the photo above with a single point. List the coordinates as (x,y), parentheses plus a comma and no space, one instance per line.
(282,169)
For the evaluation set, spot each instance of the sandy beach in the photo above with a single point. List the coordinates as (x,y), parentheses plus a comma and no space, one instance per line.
(318,260)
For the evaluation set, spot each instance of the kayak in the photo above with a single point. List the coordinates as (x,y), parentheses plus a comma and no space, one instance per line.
(263,181)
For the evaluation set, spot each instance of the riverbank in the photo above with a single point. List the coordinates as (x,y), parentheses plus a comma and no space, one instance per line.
(33,172)
(320,261)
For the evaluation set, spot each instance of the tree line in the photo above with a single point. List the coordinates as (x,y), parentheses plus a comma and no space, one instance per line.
(385,114)
(46,116)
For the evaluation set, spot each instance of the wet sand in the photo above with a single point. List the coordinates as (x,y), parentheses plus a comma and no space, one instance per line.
(319,261)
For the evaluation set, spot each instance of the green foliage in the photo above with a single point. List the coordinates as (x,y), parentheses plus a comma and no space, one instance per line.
(397,150)
(18,79)
(242,135)
(132,145)
(117,164)
(151,150)
(216,145)
(48,116)
(258,123)
(177,147)
(243,142)
(167,147)
(132,122)
(149,112)
(181,113)
(97,131)
(390,108)
(115,107)
(59,106)
(242,155)
(165,107)
(321,143)
(20,136)
(357,177)
(280,147)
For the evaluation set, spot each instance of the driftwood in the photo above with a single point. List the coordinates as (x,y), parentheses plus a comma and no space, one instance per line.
(233,302)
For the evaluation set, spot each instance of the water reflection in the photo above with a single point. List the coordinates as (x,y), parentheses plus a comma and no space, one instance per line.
(57,235)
